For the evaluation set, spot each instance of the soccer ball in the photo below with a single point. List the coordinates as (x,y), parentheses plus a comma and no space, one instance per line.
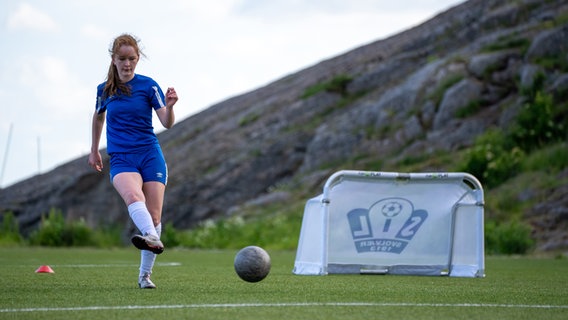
(391,209)
(252,264)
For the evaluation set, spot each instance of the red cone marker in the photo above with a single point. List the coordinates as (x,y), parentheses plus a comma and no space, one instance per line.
(44,269)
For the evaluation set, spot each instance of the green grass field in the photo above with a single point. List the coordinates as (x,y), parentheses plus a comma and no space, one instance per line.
(101,284)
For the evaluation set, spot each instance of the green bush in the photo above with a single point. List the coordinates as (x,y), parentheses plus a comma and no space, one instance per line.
(107,237)
(491,160)
(497,155)
(224,233)
(170,235)
(539,123)
(272,227)
(10,233)
(54,232)
(336,85)
(552,158)
(508,238)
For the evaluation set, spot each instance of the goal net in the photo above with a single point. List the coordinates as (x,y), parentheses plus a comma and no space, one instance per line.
(394,223)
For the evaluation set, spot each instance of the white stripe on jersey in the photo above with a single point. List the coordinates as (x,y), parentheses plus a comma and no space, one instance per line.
(99,104)
(160,101)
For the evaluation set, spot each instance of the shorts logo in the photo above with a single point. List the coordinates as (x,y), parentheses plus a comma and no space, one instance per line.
(387,226)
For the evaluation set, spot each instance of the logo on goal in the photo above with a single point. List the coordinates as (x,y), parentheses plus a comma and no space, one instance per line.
(386,226)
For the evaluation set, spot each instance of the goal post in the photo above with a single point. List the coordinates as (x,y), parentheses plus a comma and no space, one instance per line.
(368,222)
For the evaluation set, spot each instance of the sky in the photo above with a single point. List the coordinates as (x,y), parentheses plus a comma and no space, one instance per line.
(54,54)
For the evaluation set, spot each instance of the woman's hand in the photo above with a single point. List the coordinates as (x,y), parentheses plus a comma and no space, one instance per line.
(171,97)
(96,161)
(166,115)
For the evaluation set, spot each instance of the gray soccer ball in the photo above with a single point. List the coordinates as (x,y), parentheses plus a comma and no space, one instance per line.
(252,264)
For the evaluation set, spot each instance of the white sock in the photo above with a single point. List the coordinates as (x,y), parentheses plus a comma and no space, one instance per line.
(147,258)
(142,218)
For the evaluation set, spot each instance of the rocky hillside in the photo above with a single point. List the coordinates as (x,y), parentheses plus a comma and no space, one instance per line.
(425,92)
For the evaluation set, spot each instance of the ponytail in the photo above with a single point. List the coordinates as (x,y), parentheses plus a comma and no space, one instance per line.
(113,84)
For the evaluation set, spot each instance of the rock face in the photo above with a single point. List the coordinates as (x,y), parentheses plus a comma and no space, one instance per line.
(400,97)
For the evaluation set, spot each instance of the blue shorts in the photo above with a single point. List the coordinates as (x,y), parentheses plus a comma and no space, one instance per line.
(150,164)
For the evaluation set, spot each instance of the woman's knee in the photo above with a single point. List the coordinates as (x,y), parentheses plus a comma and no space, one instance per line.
(131,196)
(129,186)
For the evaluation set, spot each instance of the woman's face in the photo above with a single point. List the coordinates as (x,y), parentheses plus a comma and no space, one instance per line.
(125,60)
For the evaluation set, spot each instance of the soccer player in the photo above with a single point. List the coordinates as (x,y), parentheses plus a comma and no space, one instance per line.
(138,170)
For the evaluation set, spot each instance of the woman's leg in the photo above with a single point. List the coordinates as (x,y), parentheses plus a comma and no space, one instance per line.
(154,193)
(129,185)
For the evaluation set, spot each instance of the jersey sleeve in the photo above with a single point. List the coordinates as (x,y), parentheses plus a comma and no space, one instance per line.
(157,98)
(100,105)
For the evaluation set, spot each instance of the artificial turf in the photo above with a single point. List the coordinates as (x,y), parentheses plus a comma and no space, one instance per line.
(101,284)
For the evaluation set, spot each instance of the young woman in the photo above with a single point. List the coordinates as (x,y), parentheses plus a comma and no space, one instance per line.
(138,170)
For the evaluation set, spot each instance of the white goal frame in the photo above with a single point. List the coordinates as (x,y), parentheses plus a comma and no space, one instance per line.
(368,222)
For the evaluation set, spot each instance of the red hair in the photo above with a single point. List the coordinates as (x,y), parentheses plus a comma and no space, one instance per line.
(113,83)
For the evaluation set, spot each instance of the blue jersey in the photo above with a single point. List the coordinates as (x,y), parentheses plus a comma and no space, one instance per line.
(129,117)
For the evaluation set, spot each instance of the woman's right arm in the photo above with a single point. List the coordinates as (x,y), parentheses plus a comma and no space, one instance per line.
(95,159)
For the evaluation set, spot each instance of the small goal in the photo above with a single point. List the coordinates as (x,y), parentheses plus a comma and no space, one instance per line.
(394,223)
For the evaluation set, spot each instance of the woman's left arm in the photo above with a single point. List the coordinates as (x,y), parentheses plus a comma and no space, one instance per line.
(166,114)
